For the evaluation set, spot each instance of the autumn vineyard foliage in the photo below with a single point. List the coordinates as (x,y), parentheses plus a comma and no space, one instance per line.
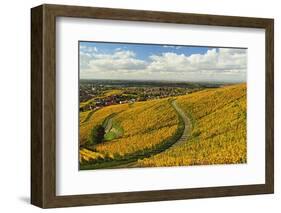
(135,131)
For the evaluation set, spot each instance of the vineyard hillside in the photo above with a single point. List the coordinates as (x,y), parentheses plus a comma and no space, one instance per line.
(217,133)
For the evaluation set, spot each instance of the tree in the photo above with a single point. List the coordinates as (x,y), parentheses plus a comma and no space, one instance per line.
(97,134)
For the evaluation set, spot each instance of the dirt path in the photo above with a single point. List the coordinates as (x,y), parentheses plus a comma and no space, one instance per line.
(186,121)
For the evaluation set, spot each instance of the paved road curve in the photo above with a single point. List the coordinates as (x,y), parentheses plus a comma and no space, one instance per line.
(182,139)
(186,121)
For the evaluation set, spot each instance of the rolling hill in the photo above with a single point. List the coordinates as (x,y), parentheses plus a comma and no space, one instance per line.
(218,133)
(205,127)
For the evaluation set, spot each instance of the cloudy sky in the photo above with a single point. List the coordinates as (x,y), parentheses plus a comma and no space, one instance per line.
(100,60)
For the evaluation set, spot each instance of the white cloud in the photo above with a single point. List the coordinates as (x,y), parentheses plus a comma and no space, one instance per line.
(118,63)
(214,61)
(87,50)
(121,60)
(220,64)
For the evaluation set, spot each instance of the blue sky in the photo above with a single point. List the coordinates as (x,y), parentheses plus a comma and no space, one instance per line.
(143,51)
(102,60)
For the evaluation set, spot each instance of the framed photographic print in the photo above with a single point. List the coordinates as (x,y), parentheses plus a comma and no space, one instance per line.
(137,106)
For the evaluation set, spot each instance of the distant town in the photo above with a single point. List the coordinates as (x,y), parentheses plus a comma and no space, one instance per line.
(95,94)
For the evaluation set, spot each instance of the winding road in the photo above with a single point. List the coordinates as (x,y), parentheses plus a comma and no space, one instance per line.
(186,121)
(183,138)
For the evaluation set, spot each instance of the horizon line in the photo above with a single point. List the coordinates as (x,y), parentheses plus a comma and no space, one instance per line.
(180,81)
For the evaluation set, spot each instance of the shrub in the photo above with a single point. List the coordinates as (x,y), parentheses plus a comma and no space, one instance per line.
(97,134)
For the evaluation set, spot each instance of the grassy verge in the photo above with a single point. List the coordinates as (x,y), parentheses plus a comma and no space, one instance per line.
(113,129)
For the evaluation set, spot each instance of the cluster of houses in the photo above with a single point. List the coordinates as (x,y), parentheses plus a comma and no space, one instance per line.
(113,99)
(90,92)
(110,100)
